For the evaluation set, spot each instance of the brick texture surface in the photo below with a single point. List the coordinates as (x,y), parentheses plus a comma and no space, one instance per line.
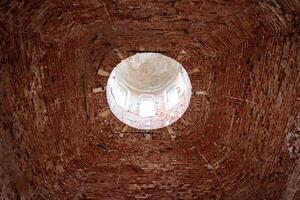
(239,139)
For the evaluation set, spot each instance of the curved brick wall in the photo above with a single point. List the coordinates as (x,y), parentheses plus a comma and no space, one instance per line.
(239,138)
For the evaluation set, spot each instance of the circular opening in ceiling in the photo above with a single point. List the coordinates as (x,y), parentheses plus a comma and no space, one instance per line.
(148,91)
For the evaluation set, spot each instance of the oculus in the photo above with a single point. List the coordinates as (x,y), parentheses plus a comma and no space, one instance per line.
(148,91)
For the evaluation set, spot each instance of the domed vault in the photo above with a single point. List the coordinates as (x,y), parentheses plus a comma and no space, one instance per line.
(239,138)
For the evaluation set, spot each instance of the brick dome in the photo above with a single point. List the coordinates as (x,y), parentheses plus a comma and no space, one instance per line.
(238,139)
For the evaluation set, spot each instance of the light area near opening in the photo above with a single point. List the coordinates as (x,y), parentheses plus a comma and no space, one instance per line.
(120,96)
(147,108)
(148,91)
(172,97)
